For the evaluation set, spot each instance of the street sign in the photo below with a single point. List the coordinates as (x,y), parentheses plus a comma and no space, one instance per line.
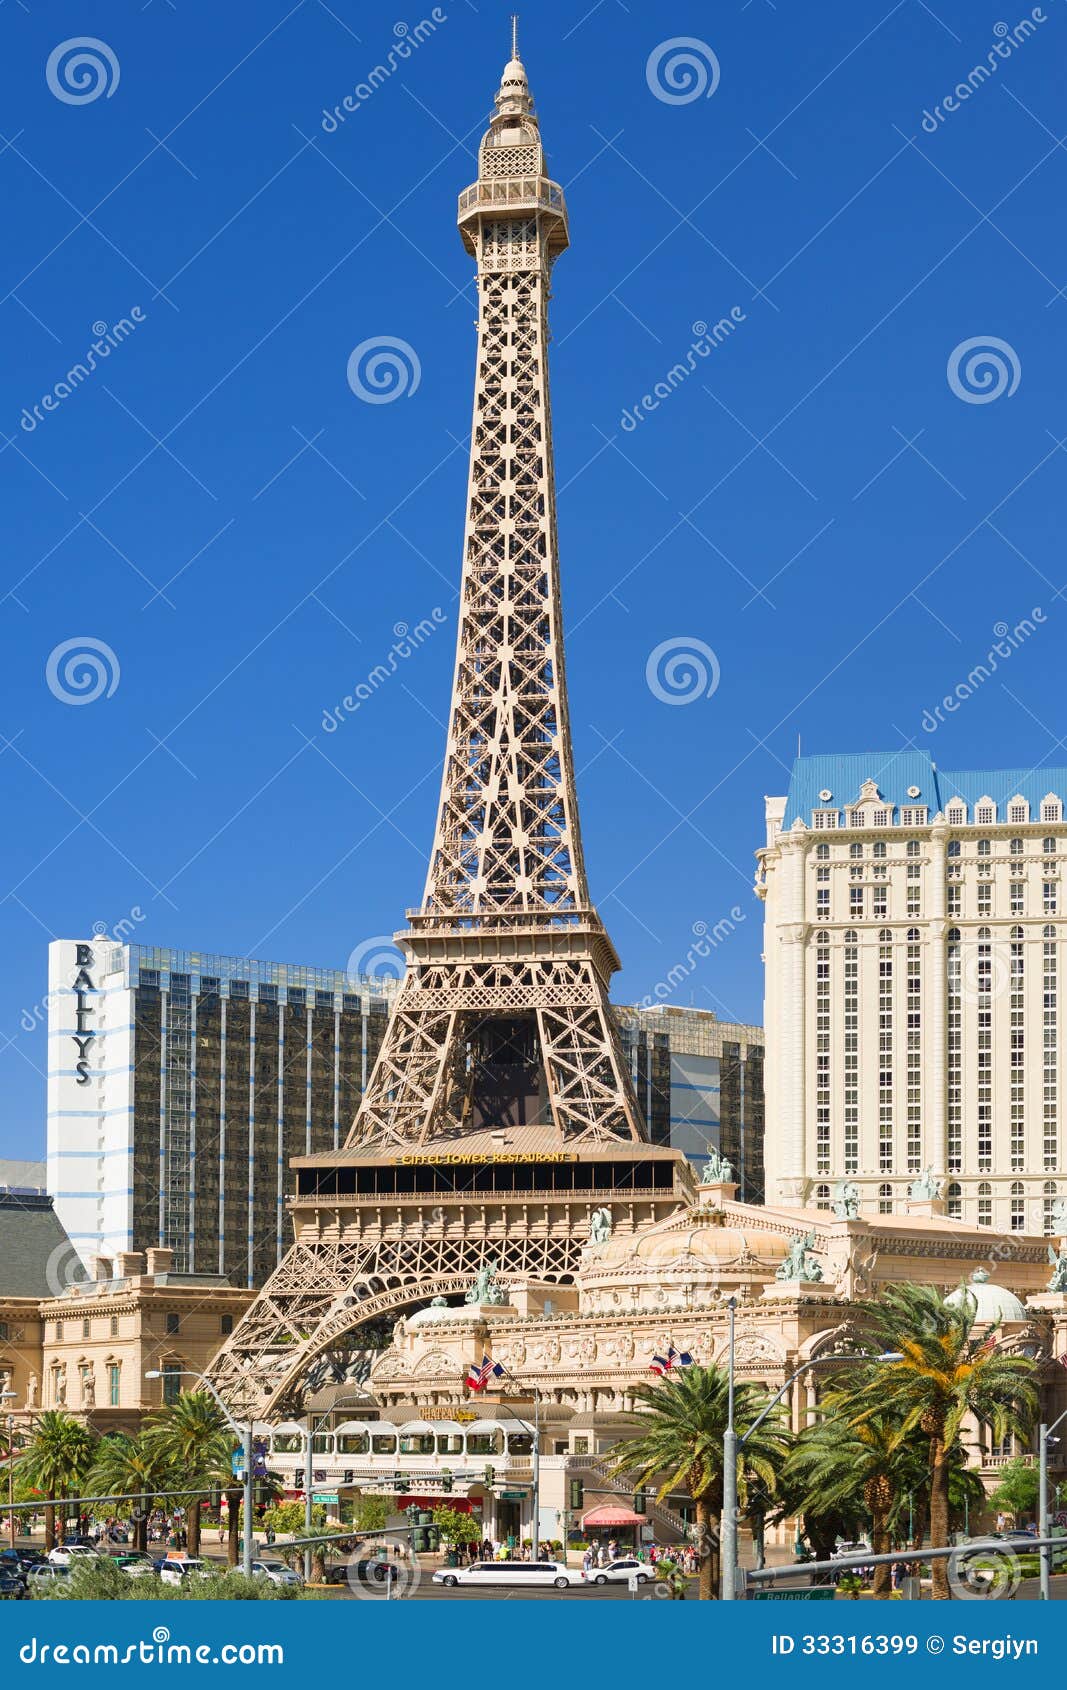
(799,1593)
(512,1495)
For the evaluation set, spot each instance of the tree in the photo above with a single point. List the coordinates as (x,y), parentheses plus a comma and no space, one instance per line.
(1017,1491)
(191,1435)
(370,1513)
(836,1462)
(136,1468)
(945,1373)
(681,1448)
(55,1463)
(456,1527)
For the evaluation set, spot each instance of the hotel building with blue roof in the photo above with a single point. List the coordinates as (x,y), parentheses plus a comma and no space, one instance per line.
(914,931)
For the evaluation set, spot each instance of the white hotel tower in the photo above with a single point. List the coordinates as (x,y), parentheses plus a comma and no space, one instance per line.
(914,946)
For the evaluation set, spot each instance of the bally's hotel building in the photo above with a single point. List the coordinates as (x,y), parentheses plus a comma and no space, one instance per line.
(181,1083)
(915,930)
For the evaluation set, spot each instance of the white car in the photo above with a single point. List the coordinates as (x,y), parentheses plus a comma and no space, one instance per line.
(176,1569)
(44,1574)
(859,1547)
(276,1571)
(621,1572)
(66,1554)
(514,1574)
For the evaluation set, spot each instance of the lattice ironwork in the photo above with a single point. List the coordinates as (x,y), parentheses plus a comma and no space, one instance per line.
(506,937)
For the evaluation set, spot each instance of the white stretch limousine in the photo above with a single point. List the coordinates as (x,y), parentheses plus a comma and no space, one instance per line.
(512,1573)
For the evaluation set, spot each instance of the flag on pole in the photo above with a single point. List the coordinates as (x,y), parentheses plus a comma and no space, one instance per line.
(660,1365)
(674,1358)
(478,1376)
(680,1358)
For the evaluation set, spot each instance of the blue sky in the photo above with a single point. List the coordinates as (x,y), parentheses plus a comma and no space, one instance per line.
(818,504)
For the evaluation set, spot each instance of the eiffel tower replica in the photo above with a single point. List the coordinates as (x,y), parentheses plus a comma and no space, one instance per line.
(500,1113)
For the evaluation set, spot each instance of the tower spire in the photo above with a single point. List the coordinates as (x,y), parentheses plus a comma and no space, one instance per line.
(515,35)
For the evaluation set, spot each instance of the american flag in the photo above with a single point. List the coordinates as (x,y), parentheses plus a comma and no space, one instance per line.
(479,1376)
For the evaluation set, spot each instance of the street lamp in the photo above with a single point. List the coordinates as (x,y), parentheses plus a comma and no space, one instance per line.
(10,1397)
(732,1446)
(313,1427)
(246,1438)
(1044,1438)
(535,1471)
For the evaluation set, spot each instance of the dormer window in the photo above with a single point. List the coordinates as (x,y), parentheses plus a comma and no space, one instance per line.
(913,815)
(985,812)
(1051,809)
(1018,810)
(824,819)
(956,814)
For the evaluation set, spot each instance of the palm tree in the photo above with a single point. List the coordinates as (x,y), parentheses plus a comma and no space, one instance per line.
(835,1462)
(191,1435)
(135,1468)
(56,1461)
(944,1374)
(681,1448)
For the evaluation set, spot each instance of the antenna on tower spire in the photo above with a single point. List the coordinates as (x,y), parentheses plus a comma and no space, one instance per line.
(514,35)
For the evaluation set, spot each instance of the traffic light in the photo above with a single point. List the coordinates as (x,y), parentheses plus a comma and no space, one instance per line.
(489,1474)
(399,1482)
(577,1495)
(640,1502)
(446,1481)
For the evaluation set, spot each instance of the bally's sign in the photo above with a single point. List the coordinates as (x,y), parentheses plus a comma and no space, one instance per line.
(82,984)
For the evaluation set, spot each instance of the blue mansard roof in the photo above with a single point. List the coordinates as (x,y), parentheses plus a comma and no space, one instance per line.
(894,772)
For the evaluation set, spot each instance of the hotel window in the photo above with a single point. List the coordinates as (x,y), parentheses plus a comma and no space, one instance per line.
(881,818)
(59,1330)
(885,1052)
(955,1052)
(822,852)
(885,1199)
(173,1324)
(1018,1208)
(1048,1206)
(825,819)
(172,1382)
(1017,903)
(879,848)
(985,814)
(822,903)
(855,849)
(879,903)
(954,1201)
(913,817)
(985,1205)
(956,814)
(1016,847)
(855,902)
(87,1327)
(851,1053)
(113,1377)
(1048,846)
(855,818)
(911,849)
(226,1324)
(822,1196)
(984,848)
(1050,810)
(985,897)
(114,1326)
(955,900)
(1050,1052)
(1048,897)
(822,1059)
(1018,813)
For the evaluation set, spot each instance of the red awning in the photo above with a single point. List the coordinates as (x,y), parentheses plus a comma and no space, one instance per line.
(608,1516)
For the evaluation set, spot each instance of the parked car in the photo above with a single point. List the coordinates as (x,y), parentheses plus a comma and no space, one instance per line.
(12,1586)
(276,1571)
(368,1570)
(621,1571)
(512,1573)
(857,1547)
(22,1557)
(134,1563)
(175,1569)
(65,1554)
(40,1578)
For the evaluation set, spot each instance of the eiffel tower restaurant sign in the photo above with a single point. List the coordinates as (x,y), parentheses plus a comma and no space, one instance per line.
(500,1114)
